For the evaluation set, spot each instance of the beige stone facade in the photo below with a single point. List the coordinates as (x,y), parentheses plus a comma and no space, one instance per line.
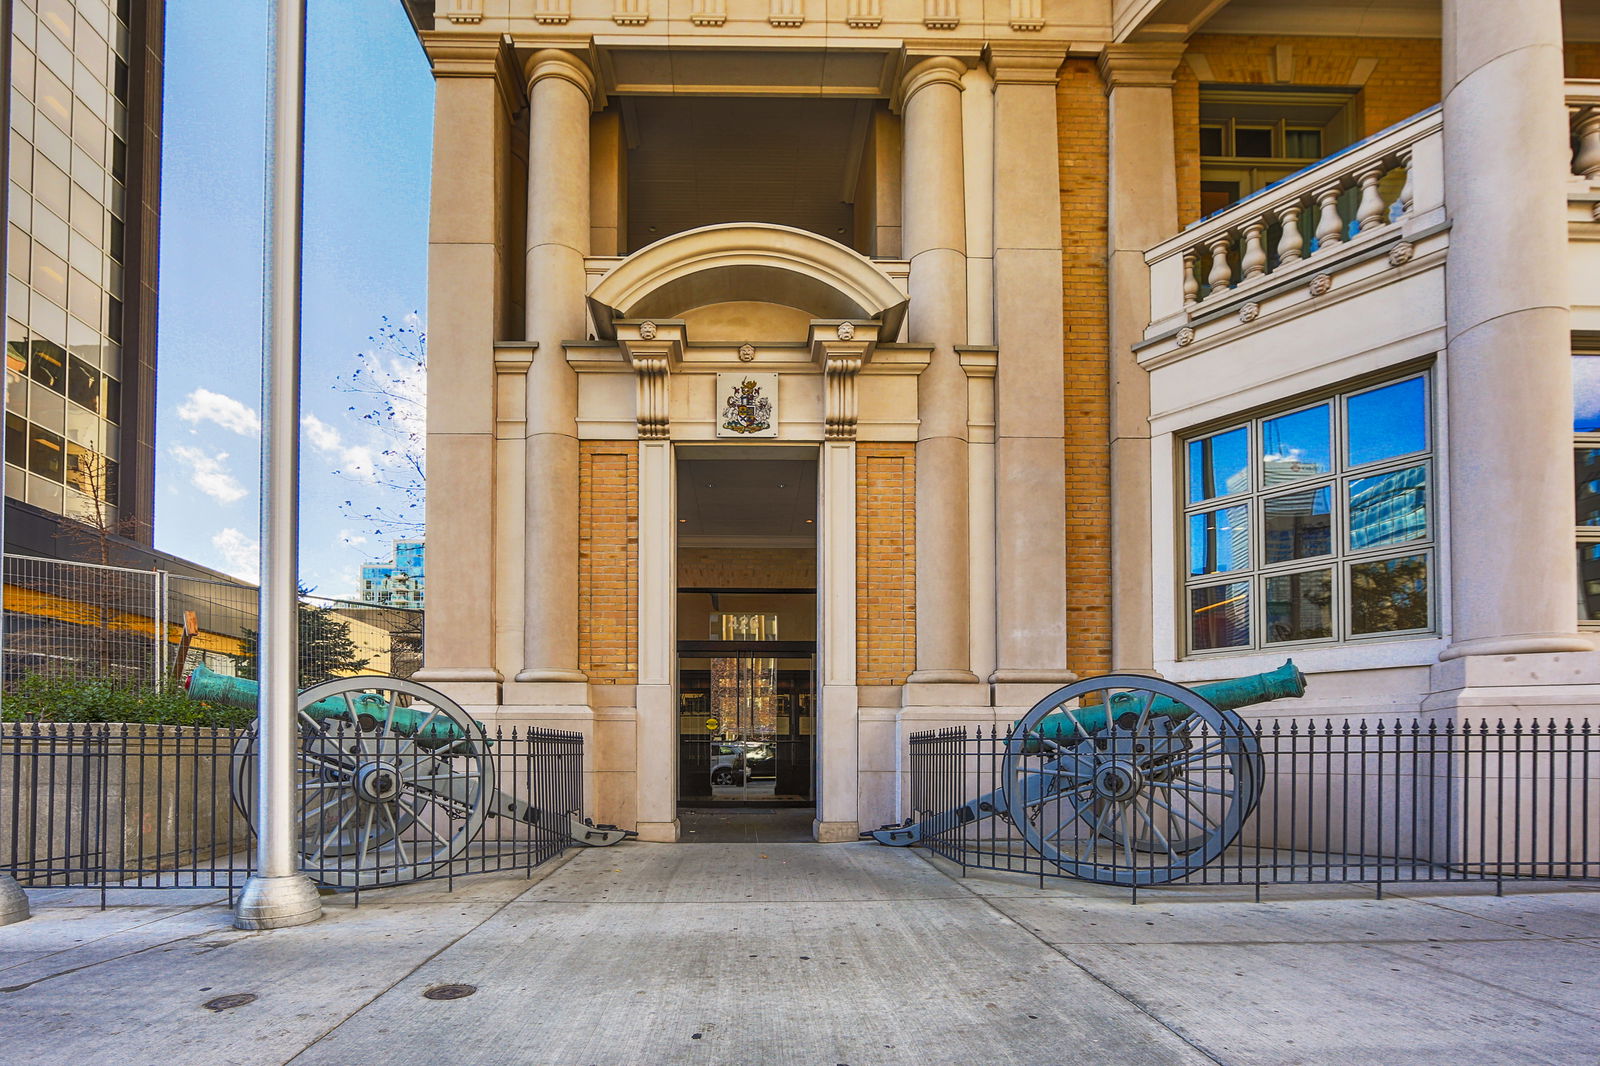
(937,250)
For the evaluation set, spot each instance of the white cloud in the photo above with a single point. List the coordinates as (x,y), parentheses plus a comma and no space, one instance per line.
(241,554)
(209,474)
(203,405)
(352,460)
(351,538)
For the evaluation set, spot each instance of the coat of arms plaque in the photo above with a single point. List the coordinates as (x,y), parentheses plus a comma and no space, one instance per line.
(748,405)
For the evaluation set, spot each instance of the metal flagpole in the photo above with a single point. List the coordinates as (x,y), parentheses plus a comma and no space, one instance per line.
(277,894)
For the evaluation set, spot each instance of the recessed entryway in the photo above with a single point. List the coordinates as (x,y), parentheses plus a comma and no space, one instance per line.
(746,621)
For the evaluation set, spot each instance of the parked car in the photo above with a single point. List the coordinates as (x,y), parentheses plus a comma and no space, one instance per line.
(728,763)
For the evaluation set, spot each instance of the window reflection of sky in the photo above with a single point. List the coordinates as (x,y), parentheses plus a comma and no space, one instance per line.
(1219,465)
(1586,393)
(1386,422)
(1219,541)
(1295,446)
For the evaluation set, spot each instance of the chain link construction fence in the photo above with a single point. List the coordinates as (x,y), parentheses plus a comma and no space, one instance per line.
(144,627)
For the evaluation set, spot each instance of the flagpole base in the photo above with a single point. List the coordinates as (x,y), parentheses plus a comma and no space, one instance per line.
(13,901)
(277,903)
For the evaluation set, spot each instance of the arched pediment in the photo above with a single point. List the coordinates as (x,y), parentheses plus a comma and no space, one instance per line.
(747,262)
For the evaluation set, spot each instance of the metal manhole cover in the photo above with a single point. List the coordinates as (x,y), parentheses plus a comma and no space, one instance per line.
(238,999)
(449,992)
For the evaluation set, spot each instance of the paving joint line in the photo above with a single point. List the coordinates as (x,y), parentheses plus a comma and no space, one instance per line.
(1132,1001)
(100,939)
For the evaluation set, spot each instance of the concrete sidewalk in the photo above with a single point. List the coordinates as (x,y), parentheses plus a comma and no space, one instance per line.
(811,955)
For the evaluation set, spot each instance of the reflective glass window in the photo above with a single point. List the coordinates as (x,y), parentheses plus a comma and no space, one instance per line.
(1389,595)
(1386,422)
(1219,616)
(1296,446)
(1299,606)
(46,453)
(1389,508)
(1219,541)
(1297,525)
(1219,465)
(1586,394)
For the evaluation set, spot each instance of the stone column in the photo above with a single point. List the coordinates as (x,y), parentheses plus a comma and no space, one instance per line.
(560,98)
(475,92)
(1030,462)
(840,350)
(654,351)
(1509,374)
(933,225)
(1142,211)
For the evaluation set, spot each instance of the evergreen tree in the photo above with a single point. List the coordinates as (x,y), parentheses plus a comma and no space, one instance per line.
(326,649)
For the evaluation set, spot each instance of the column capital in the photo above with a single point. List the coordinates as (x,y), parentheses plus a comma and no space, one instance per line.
(475,55)
(1023,63)
(559,63)
(1143,66)
(935,70)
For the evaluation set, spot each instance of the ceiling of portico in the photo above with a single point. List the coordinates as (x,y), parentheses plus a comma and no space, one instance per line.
(1368,18)
(733,495)
(702,161)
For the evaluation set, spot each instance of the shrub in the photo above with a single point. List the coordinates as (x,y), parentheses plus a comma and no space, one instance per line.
(43,698)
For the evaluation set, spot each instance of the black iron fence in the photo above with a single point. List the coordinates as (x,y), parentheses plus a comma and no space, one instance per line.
(1374,802)
(122,806)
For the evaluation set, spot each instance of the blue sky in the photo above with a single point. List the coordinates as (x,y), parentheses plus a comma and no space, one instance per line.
(369,111)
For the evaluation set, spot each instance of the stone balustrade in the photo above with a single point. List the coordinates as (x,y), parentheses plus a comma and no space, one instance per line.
(1583,104)
(1309,223)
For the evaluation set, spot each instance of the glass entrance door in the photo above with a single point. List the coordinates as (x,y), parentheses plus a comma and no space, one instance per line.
(745,722)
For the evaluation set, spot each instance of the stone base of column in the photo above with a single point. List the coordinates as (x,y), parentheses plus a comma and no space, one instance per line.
(541,675)
(943,692)
(835,832)
(1521,644)
(660,832)
(13,901)
(942,677)
(277,903)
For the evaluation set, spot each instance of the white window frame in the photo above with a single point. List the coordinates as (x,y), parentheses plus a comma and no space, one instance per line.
(1342,556)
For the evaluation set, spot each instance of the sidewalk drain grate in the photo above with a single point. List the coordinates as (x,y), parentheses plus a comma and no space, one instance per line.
(449,992)
(238,999)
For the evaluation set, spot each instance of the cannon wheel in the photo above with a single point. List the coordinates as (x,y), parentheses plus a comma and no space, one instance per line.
(1147,799)
(372,806)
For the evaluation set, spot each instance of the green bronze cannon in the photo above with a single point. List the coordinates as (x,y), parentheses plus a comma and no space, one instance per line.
(392,779)
(1125,779)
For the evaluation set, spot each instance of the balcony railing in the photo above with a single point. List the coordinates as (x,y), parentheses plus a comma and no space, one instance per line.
(1352,200)
(1583,105)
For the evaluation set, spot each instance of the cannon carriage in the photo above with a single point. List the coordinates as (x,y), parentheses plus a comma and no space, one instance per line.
(392,779)
(1124,779)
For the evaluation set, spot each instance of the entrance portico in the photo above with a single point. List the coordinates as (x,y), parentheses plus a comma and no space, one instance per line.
(554,521)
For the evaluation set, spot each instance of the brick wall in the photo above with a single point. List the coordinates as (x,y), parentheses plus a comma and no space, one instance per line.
(608,560)
(1081,115)
(886,563)
(1404,81)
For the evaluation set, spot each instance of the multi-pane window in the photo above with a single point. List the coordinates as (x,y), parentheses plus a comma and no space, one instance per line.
(1586,481)
(69,129)
(1312,525)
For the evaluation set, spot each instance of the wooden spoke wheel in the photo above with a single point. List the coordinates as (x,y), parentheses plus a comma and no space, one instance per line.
(1130,780)
(392,779)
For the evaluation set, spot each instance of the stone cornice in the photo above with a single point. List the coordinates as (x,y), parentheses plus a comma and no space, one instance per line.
(1149,66)
(1024,62)
(459,54)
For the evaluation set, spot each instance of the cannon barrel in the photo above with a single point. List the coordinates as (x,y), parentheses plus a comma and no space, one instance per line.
(1285,682)
(370,710)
